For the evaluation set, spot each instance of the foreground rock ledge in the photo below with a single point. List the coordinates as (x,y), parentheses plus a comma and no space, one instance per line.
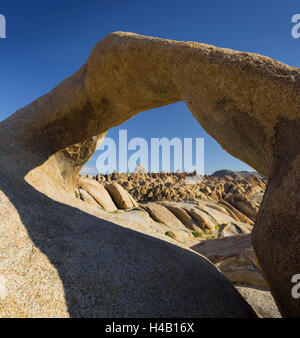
(60,261)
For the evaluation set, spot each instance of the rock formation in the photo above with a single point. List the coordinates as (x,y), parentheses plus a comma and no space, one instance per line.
(235,257)
(247,102)
(236,174)
(203,217)
(260,300)
(121,197)
(98,192)
(243,195)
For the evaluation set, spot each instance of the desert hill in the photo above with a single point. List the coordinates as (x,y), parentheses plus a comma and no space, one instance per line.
(236,174)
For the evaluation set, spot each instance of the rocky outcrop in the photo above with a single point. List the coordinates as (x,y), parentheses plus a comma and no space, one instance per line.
(86,197)
(98,192)
(206,222)
(276,236)
(247,102)
(261,301)
(244,205)
(238,193)
(205,219)
(182,215)
(235,257)
(234,229)
(236,174)
(175,186)
(66,262)
(121,197)
(234,213)
(161,214)
(139,219)
(110,197)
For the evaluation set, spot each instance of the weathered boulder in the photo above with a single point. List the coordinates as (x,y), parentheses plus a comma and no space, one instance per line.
(139,219)
(86,197)
(244,205)
(261,301)
(161,214)
(121,197)
(234,213)
(238,270)
(215,206)
(206,215)
(203,219)
(235,258)
(97,191)
(218,216)
(234,229)
(182,215)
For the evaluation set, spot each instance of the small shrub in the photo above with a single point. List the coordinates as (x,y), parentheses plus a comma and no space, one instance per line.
(170,234)
(197,234)
(220,228)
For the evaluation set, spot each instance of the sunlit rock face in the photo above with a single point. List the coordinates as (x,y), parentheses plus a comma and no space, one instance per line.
(247,102)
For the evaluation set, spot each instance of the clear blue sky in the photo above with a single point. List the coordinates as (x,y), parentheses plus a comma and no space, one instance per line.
(49,40)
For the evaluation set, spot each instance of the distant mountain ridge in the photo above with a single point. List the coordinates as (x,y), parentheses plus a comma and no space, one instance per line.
(236,174)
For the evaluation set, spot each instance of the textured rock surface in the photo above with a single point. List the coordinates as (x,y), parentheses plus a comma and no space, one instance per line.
(86,197)
(59,261)
(172,214)
(121,197)
(248,103)
(234,229)
(234,256)
(235,213)
(277,234)
(261,301)
(139,219)
(235,174)
(202,218)
(98,193)
(244,205)
(182,215)
(161,214)
(179,186)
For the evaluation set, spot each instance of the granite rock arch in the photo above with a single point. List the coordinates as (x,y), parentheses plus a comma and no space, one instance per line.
(247,102)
